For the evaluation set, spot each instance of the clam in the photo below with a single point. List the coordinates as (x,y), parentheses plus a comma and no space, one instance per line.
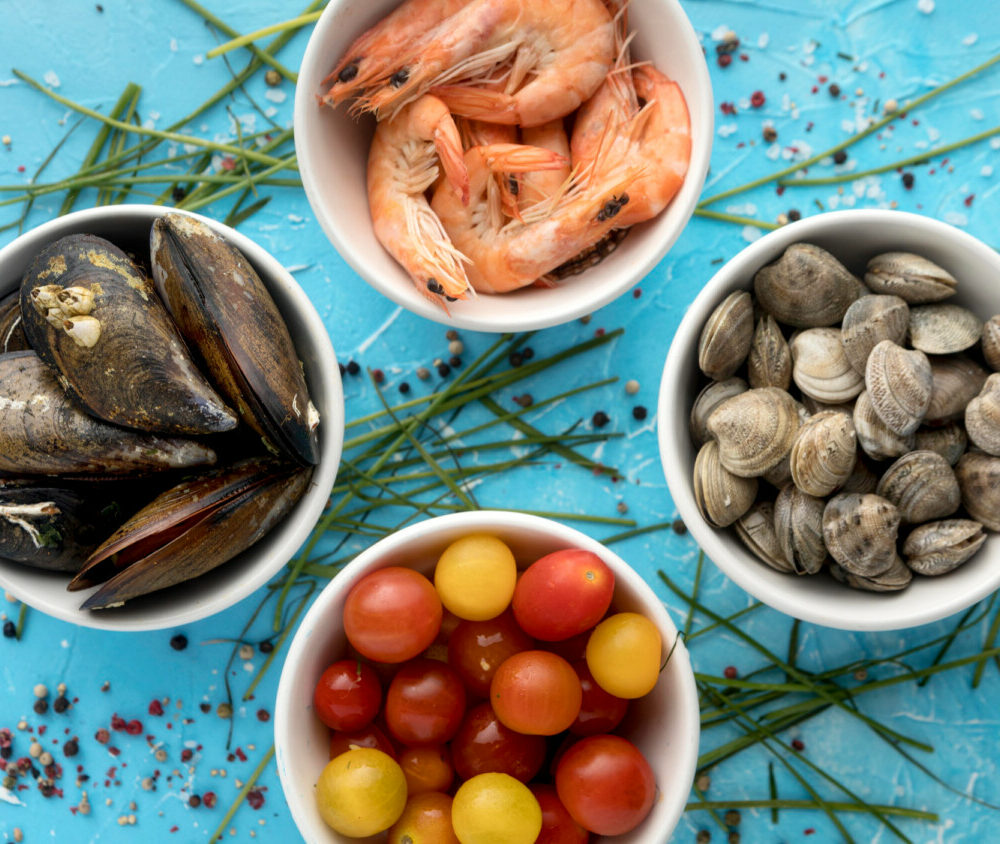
(725,338)
(813,407)
(225,312)
(780,474)
(899,382)
(860,532)
(824,453)
(12,337)
(874,436)
(940,547)
(721,496)
(707,400)
(955,381)
(950,441)
(806,287)
(755,430)
(982,417)
(893,579)
(991,342)
(922,485)
(798,525)
(42,431)
(943,329)
(979,480)
(769,363)
(910,277)
(820,367)
(94,317)
(870,320)
(862,478)
(756,529)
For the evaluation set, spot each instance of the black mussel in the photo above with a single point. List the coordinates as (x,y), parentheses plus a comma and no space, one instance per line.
(43,431)
(225,311)
(12,337)
(93,316)
(192,528)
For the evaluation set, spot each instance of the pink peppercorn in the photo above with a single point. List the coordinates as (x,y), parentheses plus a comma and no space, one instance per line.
(757,99)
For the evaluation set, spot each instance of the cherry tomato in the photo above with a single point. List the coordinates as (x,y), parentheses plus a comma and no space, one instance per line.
(606,784)
(558,826)
(368,736)
(361,792)
(536,692)
(475,576)
(495,809)
(347,695)
(392,614)
(600,712)
(483,744)
(425,820)
(476,649)
(623,654)
(562,594)
(426,768)
(425,702)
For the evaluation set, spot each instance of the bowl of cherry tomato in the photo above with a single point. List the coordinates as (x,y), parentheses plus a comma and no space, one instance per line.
(485,677)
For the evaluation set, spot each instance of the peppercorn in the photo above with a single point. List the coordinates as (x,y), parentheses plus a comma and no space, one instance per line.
(443,370)
(178,193)
(404,387)
(834,89)
(600,419)
(732,818)
(179,642)
(272,78)
(639,412)
(60,704)
(194,801)
(9,630)
(724,59)
(527,353)
(353,367)
(515,359)
(265,647)
(908,180)
(757,99)
(794,214)
(455,361)
(378,375)
(71,748)
(41,706)
(770,134)
(840,156)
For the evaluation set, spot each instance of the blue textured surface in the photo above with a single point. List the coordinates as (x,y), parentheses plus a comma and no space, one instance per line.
(874,50)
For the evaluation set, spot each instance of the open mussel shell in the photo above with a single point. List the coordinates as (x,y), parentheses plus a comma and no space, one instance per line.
(940,547)
(94,317)
(225,311)
(192,528)
(12,337)
(43,431)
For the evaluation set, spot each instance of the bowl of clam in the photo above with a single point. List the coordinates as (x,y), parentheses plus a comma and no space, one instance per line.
(829,419)
(171,417)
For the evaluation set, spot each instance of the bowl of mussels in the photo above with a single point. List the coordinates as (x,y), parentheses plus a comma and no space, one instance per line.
(830,419)
(171,417)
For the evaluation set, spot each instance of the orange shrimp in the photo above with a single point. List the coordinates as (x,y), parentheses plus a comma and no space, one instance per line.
(543,185)
(479,133)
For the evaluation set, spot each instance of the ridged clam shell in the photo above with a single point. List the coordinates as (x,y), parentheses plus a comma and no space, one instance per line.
(982,417)
(824,453)
(814,407)
(943,329)
(780,474)
(899,382)
(862,479)
(725,339)
(820,368)
(950,441)
(755,430)
(860,532)
(955,381)
(721,496)
(922,485)
(806,287)
(979,480)
(893,579)
(798,525)
(869,321)
(874,436)
(769,363)
(911,277)
(707,400)
(756,529)
(940,547)
(991,342)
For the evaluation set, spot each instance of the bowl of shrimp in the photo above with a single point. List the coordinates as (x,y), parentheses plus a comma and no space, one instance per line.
(498,165)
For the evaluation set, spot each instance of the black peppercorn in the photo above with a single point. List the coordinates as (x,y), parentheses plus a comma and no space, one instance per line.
(179,642)
(600,419)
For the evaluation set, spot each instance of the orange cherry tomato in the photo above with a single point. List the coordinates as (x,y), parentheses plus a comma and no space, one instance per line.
(536,693)
(426,768)
(425,820)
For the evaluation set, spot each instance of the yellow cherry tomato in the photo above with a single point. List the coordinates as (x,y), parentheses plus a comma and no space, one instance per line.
(425,820)
(623,654)
(361,792)
(475,577)
(495,809)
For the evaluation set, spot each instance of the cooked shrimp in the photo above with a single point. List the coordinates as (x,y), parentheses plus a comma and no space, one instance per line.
(477,133)
(402,165)
(543,185)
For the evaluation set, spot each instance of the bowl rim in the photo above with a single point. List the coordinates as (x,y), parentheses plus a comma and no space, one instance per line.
(311,68)
(309,507)
(891,615)
(685,751)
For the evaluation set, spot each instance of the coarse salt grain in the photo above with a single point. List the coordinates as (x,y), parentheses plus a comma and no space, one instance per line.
(925,6)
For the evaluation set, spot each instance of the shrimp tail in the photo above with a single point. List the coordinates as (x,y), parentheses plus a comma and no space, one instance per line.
(448,143)
(516,158)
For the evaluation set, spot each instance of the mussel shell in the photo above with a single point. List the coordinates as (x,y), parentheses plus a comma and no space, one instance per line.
(979,480)
(43,432)
(860,532)
(991,342)
(899,382)
(725,338)
(982,417)
(911,277)
(137,372)
(940,547)
(226,312)
(943,329)
(12,337)
(922,485)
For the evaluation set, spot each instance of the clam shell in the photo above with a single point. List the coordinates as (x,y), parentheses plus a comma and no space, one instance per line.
(955,381)
(12,337)
(874,436)
(862,479)
(893,579)
(756,529)
(820,367)
(721,496)
(798,525)
(780,474)
(950,441)
(922,485)
(870,320)
(707,400)
(824,453)
(806,287)
(940,547)
(899,382)
(814,407)
(755,430)
(911,277)
(979,480)
(991,342)
(725,339)
(982,417)
(943,329)
(769,363)
(860,532)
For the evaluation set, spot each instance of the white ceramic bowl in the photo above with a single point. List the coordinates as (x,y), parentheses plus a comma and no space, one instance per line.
(664,724)
(853,237)
(128,226)
(332,152)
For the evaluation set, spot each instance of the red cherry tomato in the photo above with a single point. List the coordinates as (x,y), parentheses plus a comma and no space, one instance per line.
(425,702)
(606,784)
(558,827)
(600,712)
(392,614)
(476,649)
(347,695)
(562,594)
(483,745)
(536,692)
(367,736)
(426,768)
